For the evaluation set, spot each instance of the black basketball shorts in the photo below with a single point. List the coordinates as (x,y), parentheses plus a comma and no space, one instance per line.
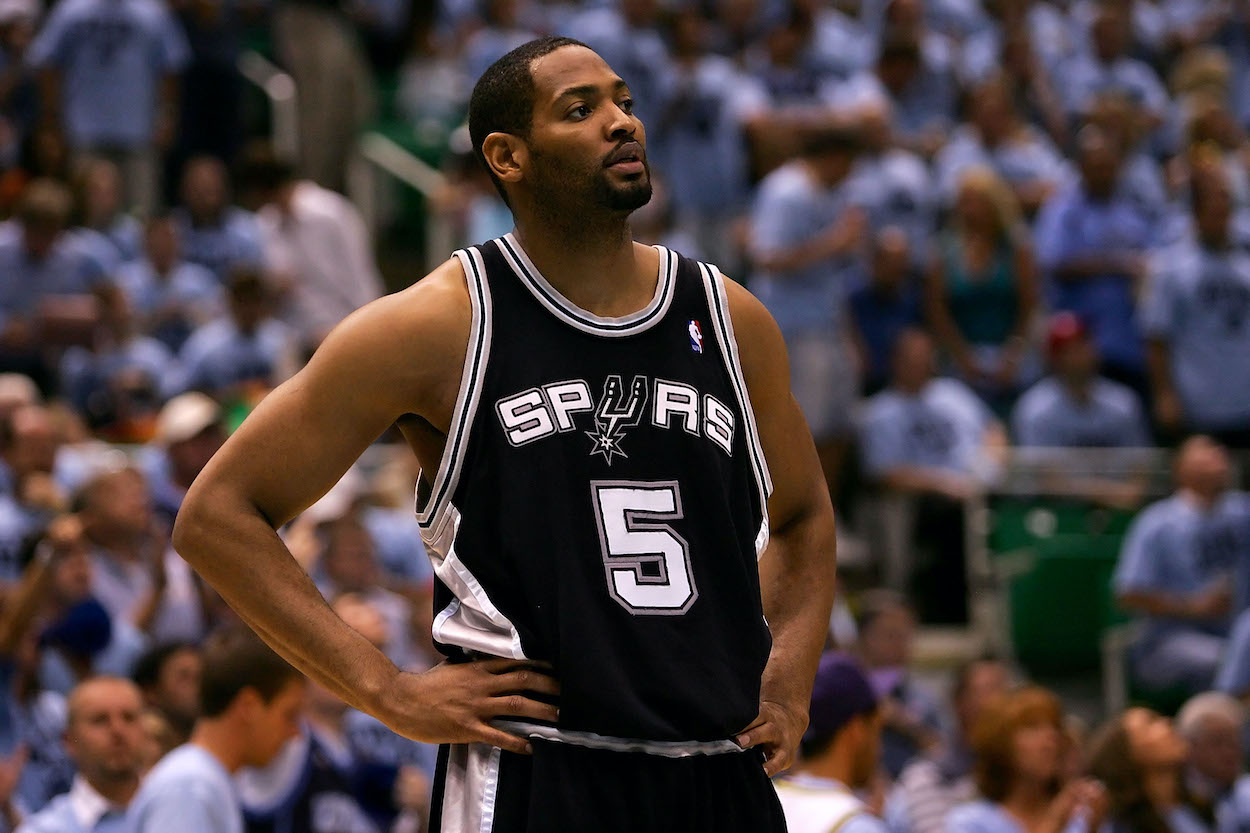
(563,788)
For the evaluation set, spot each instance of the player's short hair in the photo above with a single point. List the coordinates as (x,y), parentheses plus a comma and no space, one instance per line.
(235,660)
(503,98)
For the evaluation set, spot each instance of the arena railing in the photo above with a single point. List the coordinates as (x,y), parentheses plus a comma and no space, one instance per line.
(279,89)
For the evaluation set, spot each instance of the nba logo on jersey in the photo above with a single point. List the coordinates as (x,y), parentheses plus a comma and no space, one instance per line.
(696,336)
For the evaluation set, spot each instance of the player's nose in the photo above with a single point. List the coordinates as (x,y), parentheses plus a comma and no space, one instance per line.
(621,124)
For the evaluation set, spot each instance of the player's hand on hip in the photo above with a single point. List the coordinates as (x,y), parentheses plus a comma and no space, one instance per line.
(455,702)
(777,732)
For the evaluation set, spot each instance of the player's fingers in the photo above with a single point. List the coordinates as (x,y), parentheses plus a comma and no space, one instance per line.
(505,741)
(764,732)
(518,705)
(526,680)
(778,761)
(503,666)
(745,734)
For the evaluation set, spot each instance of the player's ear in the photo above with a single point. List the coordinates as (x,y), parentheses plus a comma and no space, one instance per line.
(505,155)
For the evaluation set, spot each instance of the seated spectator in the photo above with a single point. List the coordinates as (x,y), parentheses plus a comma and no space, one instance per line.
(931,786)
(911,719)
(807,228)
(189,431)
(1233,676)
(251,706)
(1019,743)
(1091,244)
(215,234)
(118,382)
(1138,757)
(243,354)
(348,564)
(1140,179)
(104,737)
(837,756)
(1176,570)
(168,675)
(886,306)
(1197,318)
(99,185)
(932,440)
(29,453)
(1074,407)
(996,137)
(315,243)
(170,296)
(1213,725)
(1108,67)
(981,290)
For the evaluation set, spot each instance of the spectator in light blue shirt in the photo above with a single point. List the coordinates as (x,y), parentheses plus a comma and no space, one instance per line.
(215,234)
(1178,567)
(105,740)
(243,350)
(838,754)
(1075,407)
(170,296)
(251,706)
(110,70)
(1196,316)
(1091,243)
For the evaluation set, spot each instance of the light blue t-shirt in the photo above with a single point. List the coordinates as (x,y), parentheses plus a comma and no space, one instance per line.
(1048,416)
(235,240)
(59,817)
(1174,548)
(68,269)
(171,307)
(791,209)
(1198,301)
(943,427)
(987,817)
(219,355)
(189,791)
(113,55)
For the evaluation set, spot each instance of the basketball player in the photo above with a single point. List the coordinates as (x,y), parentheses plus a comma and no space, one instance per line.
(608,444)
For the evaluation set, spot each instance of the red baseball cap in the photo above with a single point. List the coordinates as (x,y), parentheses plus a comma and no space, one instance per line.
(1063,329)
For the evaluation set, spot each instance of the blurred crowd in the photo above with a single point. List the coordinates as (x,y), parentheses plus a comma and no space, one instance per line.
(982,226)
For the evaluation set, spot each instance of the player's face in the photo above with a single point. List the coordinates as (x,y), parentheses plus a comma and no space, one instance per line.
(586,146)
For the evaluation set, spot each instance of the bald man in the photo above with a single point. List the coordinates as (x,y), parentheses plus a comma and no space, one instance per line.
(1177,570)
(104,738)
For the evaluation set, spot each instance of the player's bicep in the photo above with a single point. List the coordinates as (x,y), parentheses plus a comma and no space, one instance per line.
(799,488)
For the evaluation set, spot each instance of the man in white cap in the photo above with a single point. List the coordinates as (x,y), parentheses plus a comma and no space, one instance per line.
(188,434)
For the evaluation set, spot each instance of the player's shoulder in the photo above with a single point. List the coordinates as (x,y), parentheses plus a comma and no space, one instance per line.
(432,310)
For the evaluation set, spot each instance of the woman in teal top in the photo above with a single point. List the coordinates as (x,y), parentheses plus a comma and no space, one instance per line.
(981,293)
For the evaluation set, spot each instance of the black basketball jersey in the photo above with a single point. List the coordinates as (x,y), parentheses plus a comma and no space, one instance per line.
(601,502)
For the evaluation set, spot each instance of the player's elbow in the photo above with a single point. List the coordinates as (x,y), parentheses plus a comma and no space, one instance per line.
(203,521)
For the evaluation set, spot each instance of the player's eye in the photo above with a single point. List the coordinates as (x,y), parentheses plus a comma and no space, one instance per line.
(628,106)
(579,112)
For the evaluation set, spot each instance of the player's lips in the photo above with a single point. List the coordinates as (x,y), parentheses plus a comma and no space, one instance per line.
(628,158)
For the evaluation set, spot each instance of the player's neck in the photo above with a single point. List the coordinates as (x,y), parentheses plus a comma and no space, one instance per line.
(598,269)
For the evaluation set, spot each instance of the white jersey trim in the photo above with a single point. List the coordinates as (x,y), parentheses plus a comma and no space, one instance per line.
(471,377)
(590,740)
(722,323)
(470,789)
(575,316)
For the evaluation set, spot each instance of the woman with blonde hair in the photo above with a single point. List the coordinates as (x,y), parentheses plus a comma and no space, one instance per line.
(981,289)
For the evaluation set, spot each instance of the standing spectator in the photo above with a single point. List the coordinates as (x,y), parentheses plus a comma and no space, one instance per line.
(1139,756)
(1197,317)
(110,72)
(897,181)
(1019,743)
(19,91)
(1091,244)
(886,306)
(168,675)
(932,786)
(215,234)
(1176,570)
(807,229)
(981,296)
(1108,67)
(315,41)
(116,512)
(1075,407)
(243,354)
(837,756)
(210,121)
(317,244)
(1213,725)
(911,722)
(934,441)
(251,705)
(169,295)
(103,736)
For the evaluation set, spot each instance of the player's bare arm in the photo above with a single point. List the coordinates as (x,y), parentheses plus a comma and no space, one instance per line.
(797,569)
(397,359)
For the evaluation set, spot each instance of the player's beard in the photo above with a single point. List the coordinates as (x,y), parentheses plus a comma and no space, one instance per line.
(579,187)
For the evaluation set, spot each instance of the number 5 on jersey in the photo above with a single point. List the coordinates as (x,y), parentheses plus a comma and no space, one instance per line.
(647,562)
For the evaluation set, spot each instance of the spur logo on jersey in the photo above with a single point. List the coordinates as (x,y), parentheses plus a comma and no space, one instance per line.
(696,336)
(538,413)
